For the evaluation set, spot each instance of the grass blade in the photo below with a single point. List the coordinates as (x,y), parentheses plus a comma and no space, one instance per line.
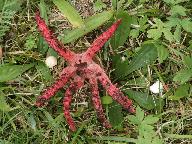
(69,12)
(90,24)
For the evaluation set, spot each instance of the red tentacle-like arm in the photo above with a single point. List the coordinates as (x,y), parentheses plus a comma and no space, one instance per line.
(49,92)
(115,93)
(81,67)
(102,39)
(97,103)
(67,102)
(52,40)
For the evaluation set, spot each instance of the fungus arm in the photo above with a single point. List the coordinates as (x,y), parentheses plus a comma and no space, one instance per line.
(102,39)
(52,40)
(67,102)
(48,93)
(115,93)
(97,103)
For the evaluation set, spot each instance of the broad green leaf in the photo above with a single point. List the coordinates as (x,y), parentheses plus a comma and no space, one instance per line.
(13,5)
(3,105)
(139,114)
(158,28)
(69,12)
(177,34)
(31,121)
(172,22)
(181,91)
(150,119)
(99,5)
(119,65)
(143,99)
(133,119)
(106,100)
(115,114)
(121,34)
(178,10)
(154,33)
(146,130)
(187,60)
(2,4)
(183,76)
(10,72)
(187,25)
(134,33)
(168,35)
(162,53)
(44,70)
(90,24)
(43,10)
(42,45)
(114,4)
(145,56)
(50,119)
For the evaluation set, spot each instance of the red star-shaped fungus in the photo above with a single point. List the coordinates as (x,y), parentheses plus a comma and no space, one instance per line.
(81,67)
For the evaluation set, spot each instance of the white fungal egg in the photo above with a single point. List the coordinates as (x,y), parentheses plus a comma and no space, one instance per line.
(157,87)
(51,61)
(123,58)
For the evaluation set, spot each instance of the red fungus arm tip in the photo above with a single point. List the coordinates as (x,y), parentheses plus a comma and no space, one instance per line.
(67,102)
(97,103)
(52,40)
(116,94)
(48,93)
(102,39)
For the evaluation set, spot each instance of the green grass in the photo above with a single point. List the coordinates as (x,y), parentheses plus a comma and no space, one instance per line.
(164,43)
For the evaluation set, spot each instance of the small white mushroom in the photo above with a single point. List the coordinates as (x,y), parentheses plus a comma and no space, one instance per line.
(157,87)
(51,61)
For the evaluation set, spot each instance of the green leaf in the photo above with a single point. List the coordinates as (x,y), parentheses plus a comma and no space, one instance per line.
(90,24)
(10,72)
(43,10)
(150,119)
(187,60)
(178,10)
(172,22)
(44,71)
(133,119)
(106,100)
(187,25)
(183,76)
(119,65)
(50,119)
(13,5)
(139,114)
(118,139)
(3,105)
(115,114)
(69,12)
(168,35)
(121,34)
(145,56)
(42,44)
(114,4)
(144,100)
(177,34)
(99,5)
(134,33)
(154,33)
(31,121)
(163,53)
(181,91)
